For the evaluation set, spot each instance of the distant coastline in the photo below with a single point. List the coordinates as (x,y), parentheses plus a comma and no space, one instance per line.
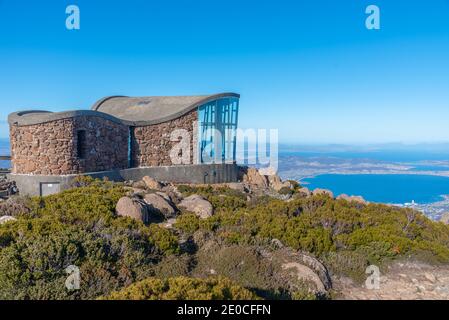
(380,172)
(426,193)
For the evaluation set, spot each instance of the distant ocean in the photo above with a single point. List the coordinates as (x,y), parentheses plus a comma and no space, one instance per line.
(384,188)
(4,151)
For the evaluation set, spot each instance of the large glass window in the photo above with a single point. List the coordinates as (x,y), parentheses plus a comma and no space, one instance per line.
(217,130)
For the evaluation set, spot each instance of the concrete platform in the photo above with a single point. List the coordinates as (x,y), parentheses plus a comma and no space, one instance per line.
(40,185)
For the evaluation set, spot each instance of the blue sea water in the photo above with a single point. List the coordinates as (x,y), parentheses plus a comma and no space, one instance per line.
(397,188)
(4,151)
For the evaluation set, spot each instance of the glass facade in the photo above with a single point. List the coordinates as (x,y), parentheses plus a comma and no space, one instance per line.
(217,130)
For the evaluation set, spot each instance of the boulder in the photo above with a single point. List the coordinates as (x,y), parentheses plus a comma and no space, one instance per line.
(139,185)
(255,179)
(276,183)
(131,191)
(445,218)
(164,195)
(357,199)
(306,274)
(6,219)
(238,186)
(269,171)
(198,205)
(265,178)
(173,192)
(277,243)
(158,205)
(319,191)
(305,192)
(152,183)
(303,267)
(134,208)
(168,224)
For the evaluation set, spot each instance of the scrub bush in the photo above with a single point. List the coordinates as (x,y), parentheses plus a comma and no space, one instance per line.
(78,227)
(183,288)
(368,234)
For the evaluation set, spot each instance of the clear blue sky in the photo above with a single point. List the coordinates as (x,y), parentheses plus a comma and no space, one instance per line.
(309,68)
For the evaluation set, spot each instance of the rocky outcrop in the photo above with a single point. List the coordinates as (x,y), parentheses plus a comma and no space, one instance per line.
(319,191)
(277,184)
(151,183)
(133,192)
(133,208)
(238,186)
(357,199)
(139,185)
(264,179)
(173,192)
(6,219)
(303,267)
(198,205)
(254,179)
(164,195)
(400,281)
(158,205)
(304,192)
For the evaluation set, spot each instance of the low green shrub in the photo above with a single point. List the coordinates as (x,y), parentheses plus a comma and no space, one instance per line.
(188,222)
(183,288)
(321,225)
(78,227)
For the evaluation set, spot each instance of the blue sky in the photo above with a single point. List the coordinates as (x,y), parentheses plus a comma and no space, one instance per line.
(309,68)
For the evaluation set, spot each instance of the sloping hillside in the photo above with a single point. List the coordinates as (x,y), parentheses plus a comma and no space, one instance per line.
(271,238)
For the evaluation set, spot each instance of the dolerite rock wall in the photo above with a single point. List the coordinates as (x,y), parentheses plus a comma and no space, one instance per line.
(152,145)
(51,148)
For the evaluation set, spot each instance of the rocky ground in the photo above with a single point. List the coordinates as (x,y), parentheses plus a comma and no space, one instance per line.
(401,281)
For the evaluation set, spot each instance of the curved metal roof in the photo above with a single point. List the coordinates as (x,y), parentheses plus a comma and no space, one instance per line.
(153,110)
(126,110)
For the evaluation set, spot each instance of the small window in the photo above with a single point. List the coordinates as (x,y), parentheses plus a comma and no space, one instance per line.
(81,144)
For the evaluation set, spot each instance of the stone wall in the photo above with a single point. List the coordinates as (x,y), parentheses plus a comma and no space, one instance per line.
(51,148)
(152,145)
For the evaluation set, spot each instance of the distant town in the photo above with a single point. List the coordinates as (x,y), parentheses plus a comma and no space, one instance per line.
(300,167)
(433,210)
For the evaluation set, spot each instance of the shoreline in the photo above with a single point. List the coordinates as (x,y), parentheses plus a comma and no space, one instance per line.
(433,210)
(444,174)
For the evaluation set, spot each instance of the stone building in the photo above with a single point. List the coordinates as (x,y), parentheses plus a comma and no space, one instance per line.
(189,139)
